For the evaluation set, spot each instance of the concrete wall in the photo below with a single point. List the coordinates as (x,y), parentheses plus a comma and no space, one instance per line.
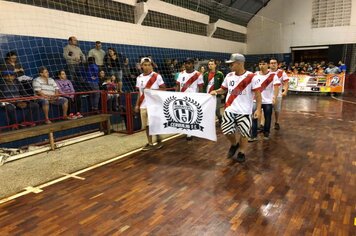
(283,24)
(41,22)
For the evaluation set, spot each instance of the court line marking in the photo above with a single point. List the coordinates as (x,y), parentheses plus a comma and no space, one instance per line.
(72,175)
(341,100)
(32,189)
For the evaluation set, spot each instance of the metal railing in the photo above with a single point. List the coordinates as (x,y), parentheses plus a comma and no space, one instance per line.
(36,116)
(123,120)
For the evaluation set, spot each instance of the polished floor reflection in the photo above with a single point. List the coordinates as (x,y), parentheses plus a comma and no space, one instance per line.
(300,182)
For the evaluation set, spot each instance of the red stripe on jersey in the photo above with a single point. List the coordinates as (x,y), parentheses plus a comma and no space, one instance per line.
(211,88)
(211,76)
(149,84)
(257,89)
(267,81)
(280,73)
(190,81)
(238,89)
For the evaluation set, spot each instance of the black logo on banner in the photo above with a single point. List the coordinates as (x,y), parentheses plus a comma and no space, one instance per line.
(183,113)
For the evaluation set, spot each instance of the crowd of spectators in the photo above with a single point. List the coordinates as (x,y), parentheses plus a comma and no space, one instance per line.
(312,68)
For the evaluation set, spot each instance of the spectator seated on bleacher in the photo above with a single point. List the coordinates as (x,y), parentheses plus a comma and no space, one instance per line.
(111,87)
(67,90)
(11,88)
(12,64)
(46,87)
(101,76)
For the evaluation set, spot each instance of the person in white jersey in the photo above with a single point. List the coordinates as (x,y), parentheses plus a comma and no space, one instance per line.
(190,81)
(269,83)
(283,90)
(241,87)
(147,80)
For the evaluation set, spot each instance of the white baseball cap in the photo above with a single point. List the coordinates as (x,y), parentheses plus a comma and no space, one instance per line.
(145,59)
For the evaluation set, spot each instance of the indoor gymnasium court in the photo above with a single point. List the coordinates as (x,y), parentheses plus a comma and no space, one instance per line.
(178,117)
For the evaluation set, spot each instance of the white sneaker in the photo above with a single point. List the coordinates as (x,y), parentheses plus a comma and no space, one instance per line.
(253,139)
(148,147)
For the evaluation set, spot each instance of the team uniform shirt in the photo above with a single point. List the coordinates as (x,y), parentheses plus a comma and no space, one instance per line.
(267,83)
(243,103)
(283,78)
(141,82)
(184,77)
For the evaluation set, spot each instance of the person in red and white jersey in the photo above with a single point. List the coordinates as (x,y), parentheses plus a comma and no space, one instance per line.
(190,81)
(269,83)
(241,87)
(147,80)
(283,90)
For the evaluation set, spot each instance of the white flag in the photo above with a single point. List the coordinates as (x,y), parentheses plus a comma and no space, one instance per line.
(184,113)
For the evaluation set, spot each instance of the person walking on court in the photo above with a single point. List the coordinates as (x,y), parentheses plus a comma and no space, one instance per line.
(283,90)
(269,83)
(190,81)
(212,81)
(147,80)
(241,87)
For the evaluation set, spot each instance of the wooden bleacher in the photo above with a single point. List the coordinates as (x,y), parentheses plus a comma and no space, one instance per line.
(103,119)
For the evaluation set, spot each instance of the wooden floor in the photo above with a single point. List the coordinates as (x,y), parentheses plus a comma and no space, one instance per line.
(300,182)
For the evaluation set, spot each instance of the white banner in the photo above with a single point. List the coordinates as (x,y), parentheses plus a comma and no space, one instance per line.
(184,113)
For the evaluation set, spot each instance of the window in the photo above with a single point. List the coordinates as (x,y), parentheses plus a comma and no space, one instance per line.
(99,8)
(229,35)
(164,21)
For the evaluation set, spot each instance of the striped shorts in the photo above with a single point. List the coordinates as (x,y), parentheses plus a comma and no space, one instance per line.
(232,122)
